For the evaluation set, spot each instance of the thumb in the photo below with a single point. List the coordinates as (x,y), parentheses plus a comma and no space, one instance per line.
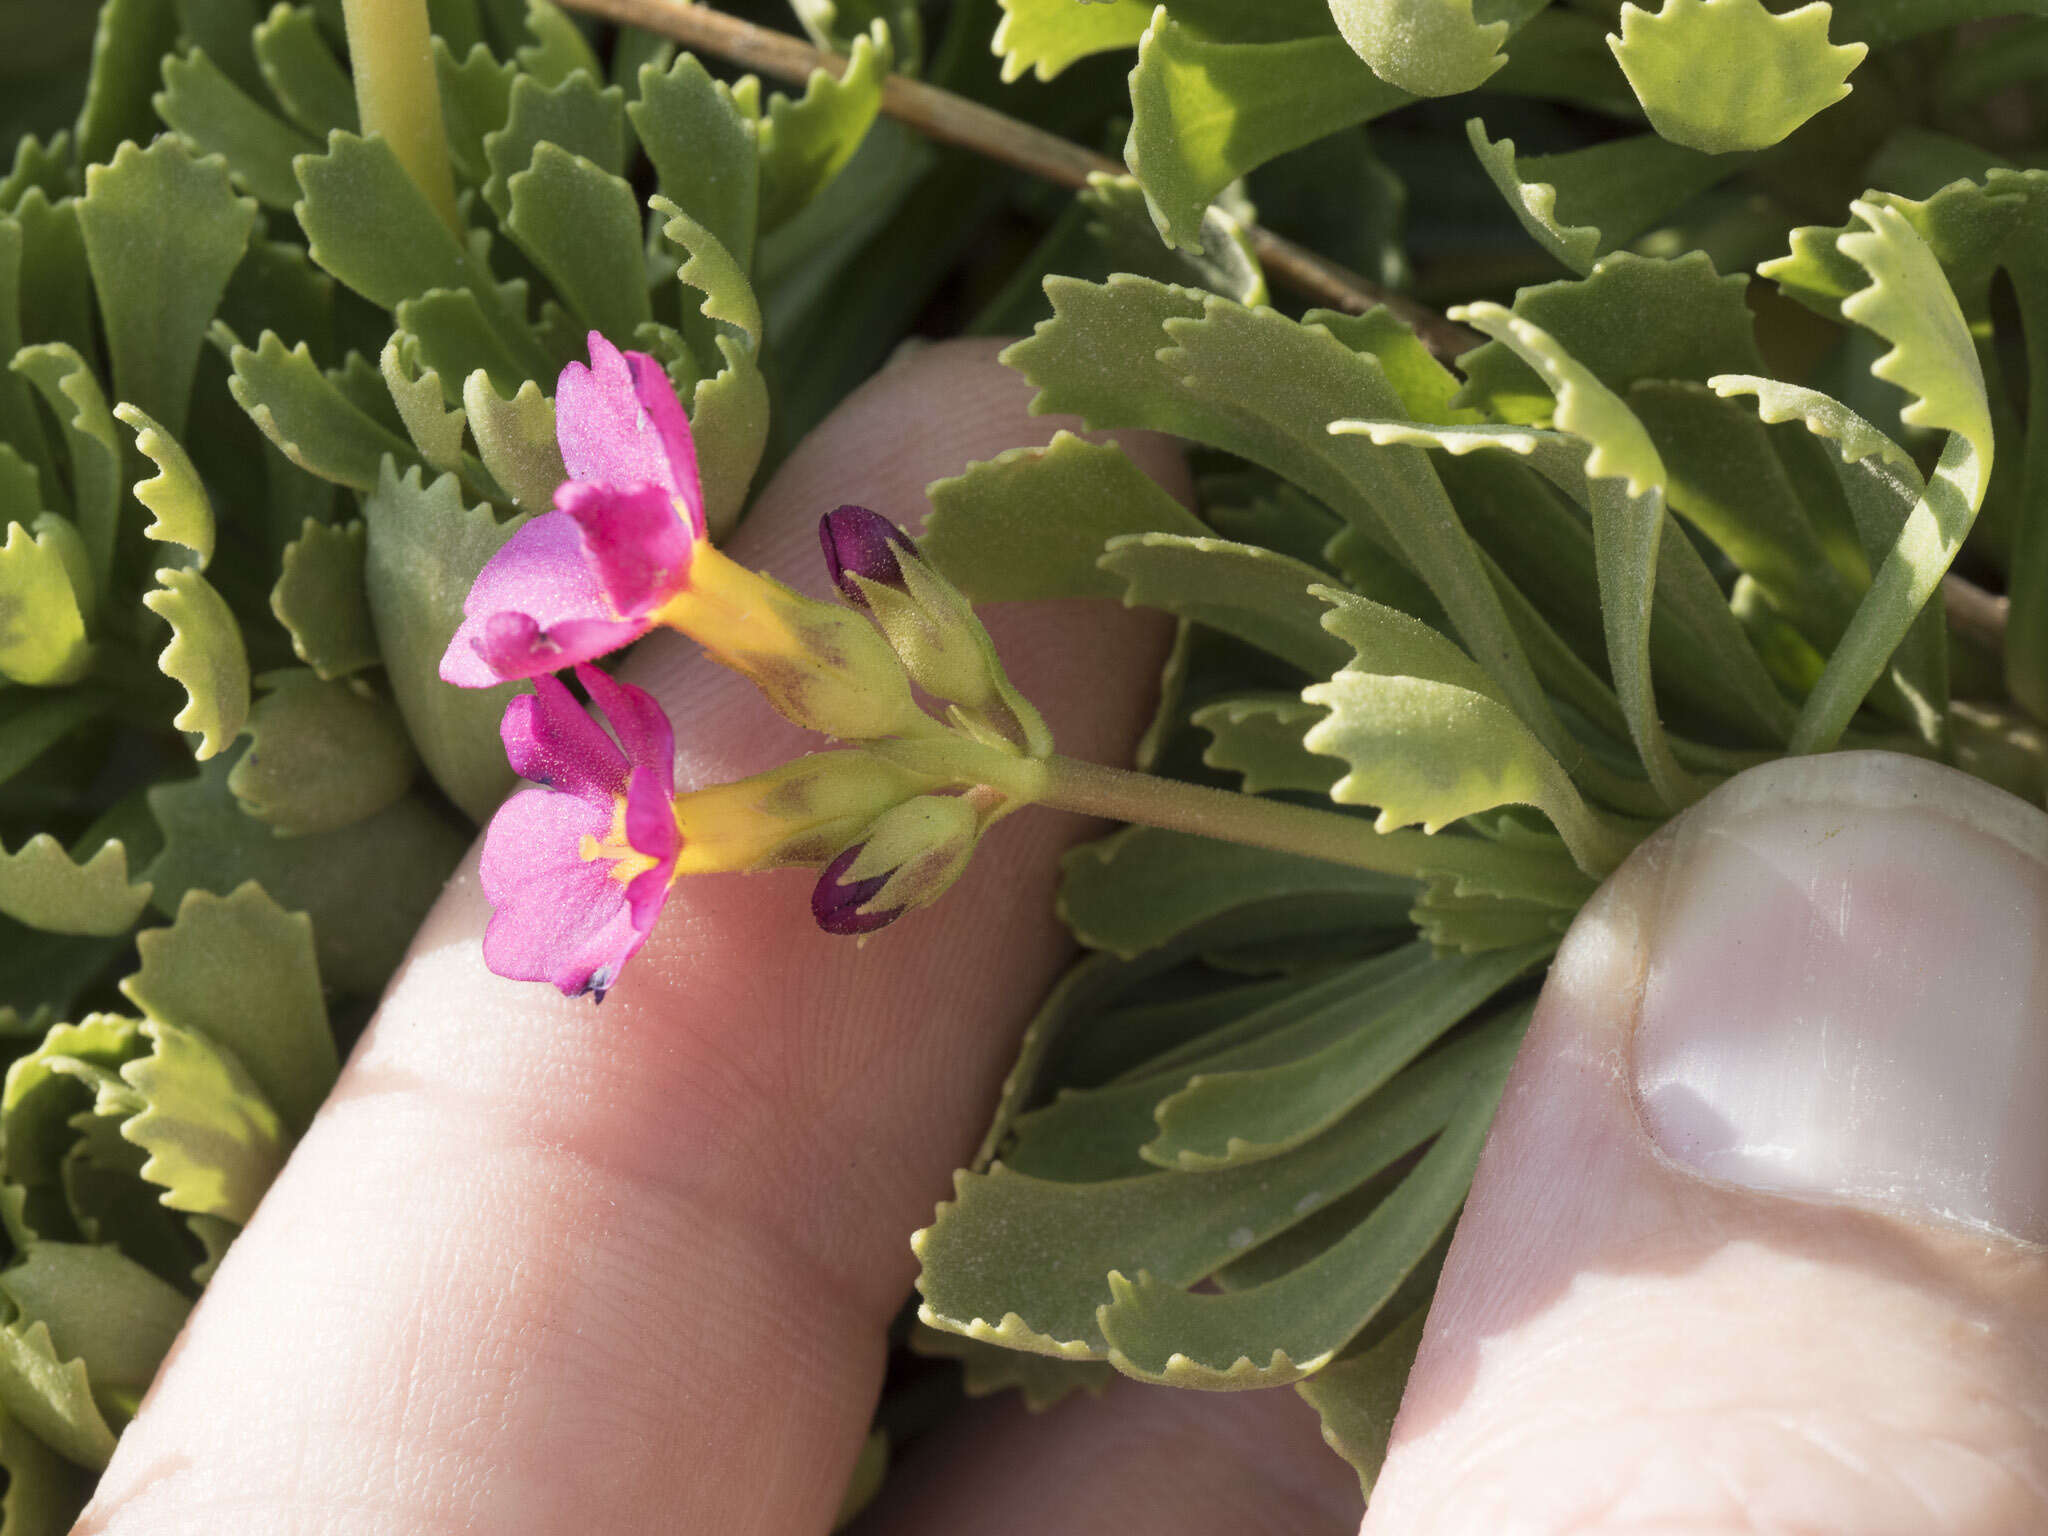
(1756,1242)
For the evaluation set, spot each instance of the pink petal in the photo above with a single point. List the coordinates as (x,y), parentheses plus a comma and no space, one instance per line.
(534,607)
(619,423)
(665,414)
(651,818)
(551,740)
(641,725)
(646,895)
(556,916)
(634,546)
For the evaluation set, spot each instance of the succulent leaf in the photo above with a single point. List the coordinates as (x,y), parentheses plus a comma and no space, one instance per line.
(1728,75)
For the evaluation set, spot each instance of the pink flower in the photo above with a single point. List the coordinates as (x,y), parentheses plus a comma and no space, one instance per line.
(577,872)
(588,577)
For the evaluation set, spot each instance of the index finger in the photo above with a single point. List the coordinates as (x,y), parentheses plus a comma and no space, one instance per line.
(539,1266)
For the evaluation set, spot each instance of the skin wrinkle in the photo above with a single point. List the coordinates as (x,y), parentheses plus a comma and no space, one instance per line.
(522,1217)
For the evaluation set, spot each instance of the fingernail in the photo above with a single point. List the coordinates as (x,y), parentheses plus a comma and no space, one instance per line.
(1847,991)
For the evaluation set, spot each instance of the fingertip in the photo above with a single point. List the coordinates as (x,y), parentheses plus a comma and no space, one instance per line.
(1728,1259)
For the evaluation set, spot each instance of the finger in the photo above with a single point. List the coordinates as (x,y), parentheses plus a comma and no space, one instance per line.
(543,1267)
(1137,1461)
(1754,1244)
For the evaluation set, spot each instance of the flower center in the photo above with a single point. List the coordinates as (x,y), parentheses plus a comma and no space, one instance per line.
(628,863)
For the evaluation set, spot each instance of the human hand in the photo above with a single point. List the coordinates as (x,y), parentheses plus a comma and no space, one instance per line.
(541,1267)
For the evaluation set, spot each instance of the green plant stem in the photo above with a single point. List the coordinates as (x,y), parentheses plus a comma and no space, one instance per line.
(1117,793)
(391,51)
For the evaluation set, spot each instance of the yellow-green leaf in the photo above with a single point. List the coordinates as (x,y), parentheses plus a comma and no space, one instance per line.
(206,657)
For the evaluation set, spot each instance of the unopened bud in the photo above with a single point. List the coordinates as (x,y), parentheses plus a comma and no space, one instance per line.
(839,903)
(931,626)
(909,858)
(861,543)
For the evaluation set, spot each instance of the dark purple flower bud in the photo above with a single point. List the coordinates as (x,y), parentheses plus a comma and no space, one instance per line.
(861,543)
(836,902)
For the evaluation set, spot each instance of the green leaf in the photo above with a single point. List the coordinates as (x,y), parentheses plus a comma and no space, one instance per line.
(302,73)
(1138,888)
(174,497)
(1258,596)
(986,1369)
(1727,75)
(1224,1119)
(42,632)
(322,755)
(319,599)
(700,135)
(1429,739)
(223,28)
(99,1309)
(66,384)
(366,887)
(1025,1261)
(1356,1397)
(39,164)
(1294,379)
(220,119)
(516,440)
(240,970)
(306,414)
(1429,47)
(1633,318)
(425,549)
(56,298)
(806,142)
(42,887)
(1625,478)
(1031,523)
(1426,389)
(159,280)
(133,35)
(1610,192)
(45,1493)
(581,226)
(21,426)
(1259,736)
(1045,36)
(476,98)
(1205,113)
(52,1396)
(577,116)
(214,1142)
(1292,1326)
(370,225)
(46,1088)
(436,430)
(1932,358)
(728,410)
(206,657)
(558,47)
(1221,260)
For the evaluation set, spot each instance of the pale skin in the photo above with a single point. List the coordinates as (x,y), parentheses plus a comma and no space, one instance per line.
(545,1268)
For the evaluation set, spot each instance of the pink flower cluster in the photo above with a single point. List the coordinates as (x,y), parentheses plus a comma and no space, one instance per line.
(577,871)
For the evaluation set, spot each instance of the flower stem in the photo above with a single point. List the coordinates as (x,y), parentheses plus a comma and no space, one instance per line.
(1263,823)
(391,52)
